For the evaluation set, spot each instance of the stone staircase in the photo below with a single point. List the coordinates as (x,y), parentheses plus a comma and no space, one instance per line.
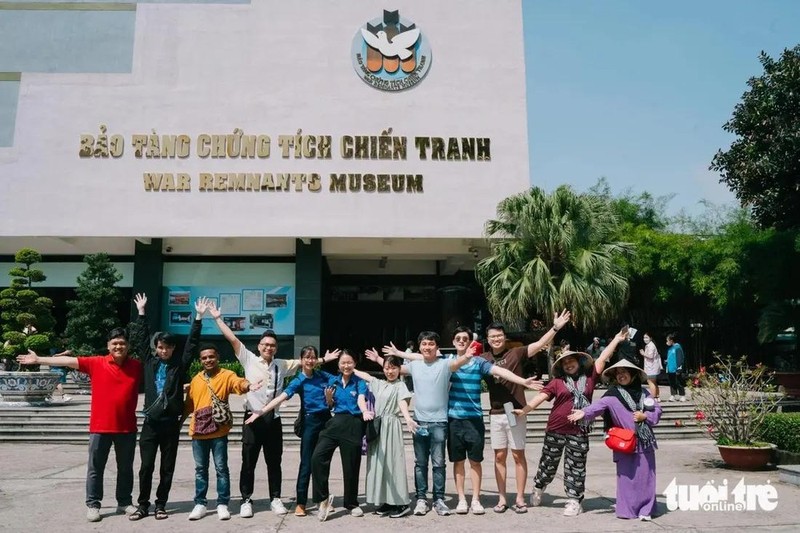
(67,423)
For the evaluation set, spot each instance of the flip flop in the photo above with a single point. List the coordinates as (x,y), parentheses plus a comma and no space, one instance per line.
(500,508)
(519,509)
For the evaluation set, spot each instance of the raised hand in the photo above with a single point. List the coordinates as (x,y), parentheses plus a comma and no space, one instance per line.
(202,305)
(534,384)
(576,416)
(391,349)
(141,301)
(213,311)
(561,320)
(372,355)
(332,355)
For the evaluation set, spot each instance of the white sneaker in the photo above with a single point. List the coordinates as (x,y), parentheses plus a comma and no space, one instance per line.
(476,507)
(573,508)
(441,508)
(246,510)
(462,507)
(198,512)
(277,507)
(536,497)
(93,514)
(223,513)
(325,508)
(645,518)
(421,507)
(682,399)
(357,512)
(127,511)
(671,399)
(66,398)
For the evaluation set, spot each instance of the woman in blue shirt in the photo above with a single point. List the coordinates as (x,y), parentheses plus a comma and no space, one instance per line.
(311,385)
(347,394)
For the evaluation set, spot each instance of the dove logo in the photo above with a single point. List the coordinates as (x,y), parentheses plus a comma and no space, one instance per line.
(390,53)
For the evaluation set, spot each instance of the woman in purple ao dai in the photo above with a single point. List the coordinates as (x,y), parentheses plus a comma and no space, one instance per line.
(627,405)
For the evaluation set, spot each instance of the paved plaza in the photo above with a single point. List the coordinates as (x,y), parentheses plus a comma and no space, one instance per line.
(42,489)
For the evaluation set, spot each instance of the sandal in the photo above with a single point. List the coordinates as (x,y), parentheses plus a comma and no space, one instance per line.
(138,514)
(519,509)
(161,514)
(500,508)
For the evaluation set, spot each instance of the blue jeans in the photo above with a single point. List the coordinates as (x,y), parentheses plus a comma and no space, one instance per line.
(431,445)
(312,427)
(201,448)
(99,448)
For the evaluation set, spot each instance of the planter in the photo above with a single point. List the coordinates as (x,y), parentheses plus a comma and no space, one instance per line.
(747,457)
(790,381)
(27,387)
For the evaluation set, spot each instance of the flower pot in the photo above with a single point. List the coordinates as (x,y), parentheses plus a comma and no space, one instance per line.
(28,387)
(747,457)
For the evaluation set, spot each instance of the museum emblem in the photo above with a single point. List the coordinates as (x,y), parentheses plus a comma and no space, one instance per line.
(390,53)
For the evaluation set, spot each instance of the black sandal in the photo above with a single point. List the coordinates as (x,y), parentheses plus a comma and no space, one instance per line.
(138,514)
(161,514)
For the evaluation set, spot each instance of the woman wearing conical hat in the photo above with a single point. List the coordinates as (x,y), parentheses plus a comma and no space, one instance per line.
(574,375)
(628,405)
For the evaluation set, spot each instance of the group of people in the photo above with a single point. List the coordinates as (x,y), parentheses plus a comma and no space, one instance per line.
(337,411)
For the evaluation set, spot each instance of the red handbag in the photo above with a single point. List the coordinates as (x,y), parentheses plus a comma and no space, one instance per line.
(621,440)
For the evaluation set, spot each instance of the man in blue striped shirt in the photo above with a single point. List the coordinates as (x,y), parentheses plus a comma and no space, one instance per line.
(466,430)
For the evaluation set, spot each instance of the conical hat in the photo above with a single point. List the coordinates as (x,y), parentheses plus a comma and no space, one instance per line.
(584,360)
(608,375)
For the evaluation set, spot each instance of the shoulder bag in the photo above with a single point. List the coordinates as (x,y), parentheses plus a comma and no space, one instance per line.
(621,440)
(220,410)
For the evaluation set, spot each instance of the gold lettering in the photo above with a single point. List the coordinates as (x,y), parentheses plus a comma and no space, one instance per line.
(338,183)
(87,146)
(347,147)
(206,181)
(138,142)
(383,183)
(437,148)
(314,183)
(484,149)
(422,144)
(203,144)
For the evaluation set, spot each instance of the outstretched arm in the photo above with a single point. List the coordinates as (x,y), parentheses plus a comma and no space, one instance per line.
(275,402)
(508,375)
(609,350)
(31,358)
(363,375)
(559,321)
(216,314)
(391,349)
(535,402)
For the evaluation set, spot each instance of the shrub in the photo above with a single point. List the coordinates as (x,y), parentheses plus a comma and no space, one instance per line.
(782,429)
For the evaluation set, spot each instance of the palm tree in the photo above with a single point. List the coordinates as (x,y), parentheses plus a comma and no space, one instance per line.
(550,252)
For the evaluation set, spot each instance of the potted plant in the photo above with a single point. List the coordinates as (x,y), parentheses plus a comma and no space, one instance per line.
(733,399)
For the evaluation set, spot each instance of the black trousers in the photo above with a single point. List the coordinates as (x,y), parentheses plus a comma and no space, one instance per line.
(155,437)
(343,431)
(676,384)
(267,436)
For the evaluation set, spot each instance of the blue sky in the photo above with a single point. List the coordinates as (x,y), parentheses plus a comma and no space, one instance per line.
(638,91)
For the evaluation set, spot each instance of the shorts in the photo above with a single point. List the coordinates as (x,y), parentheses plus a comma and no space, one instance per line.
(466,439)
(503,436)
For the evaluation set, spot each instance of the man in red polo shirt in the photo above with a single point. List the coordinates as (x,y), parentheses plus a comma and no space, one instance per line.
(115,391)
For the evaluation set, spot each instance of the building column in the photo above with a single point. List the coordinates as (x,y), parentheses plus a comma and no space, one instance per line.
(148,276)
(308,294)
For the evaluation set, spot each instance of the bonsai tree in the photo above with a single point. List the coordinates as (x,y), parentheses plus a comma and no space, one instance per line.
(94,312)
(27,323)
(733,400)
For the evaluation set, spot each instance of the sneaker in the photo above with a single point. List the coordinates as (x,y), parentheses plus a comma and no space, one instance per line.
(276,506)
(401,511)
(477,508)
(198,512)
(645,517)
(441,508)
(536,497)
(384,510)
(462,507)
(246,510)
(357,512)
(66,398)
(93,514)
(421,508)
(573,508)
(223,513)
(682,399)
(126,509)
(671,399)
(325,508)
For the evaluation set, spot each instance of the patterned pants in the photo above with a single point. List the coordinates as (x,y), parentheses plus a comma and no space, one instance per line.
(577,446)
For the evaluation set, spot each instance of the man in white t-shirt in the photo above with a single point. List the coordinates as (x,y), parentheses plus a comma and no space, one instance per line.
(266,434)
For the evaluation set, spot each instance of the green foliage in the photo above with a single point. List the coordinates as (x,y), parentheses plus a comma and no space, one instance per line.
(26,318)
(94,312)
(550,252)
(783,430)
(733,400)
(760,166)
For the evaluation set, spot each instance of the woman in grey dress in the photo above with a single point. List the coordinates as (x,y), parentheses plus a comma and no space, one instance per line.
(387,482)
